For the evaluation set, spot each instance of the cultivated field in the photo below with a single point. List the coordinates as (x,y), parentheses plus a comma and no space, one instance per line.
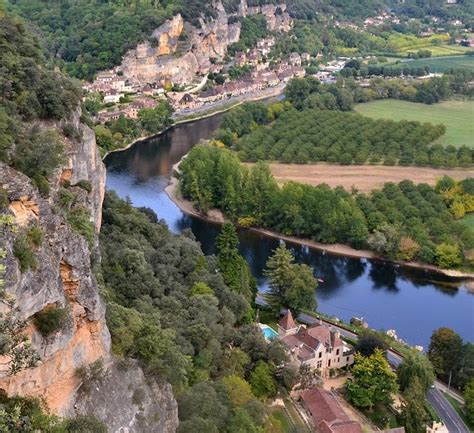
(443,64)
(457,116)
(363,177)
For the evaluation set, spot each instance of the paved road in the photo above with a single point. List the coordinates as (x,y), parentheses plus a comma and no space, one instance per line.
(446,412)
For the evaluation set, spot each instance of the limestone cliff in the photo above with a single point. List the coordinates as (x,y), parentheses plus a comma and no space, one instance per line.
(129,401)
(62,276)
(181,51)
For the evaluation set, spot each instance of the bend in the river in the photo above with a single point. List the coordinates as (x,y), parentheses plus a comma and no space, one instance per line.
(414,302)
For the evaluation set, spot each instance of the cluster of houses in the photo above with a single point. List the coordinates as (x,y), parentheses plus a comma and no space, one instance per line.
(130,111)
(113,86)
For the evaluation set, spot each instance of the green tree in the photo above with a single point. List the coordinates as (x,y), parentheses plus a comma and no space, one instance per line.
(233,267)
(291,285)
(445,351)
(414,415)
(373,381)
(415,366)
(238,389)
(262,381)
(201,288)
(448,256)
(469,401)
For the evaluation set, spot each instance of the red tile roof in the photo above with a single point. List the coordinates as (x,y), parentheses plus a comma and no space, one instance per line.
(327,413)
(287,322)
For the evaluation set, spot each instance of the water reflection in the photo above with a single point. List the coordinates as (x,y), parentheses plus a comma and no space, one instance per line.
(412,301)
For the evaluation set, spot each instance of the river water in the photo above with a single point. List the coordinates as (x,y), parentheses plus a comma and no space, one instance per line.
(414,302)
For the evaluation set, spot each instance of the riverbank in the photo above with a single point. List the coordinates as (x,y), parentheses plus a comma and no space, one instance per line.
(216,216)
(220,108)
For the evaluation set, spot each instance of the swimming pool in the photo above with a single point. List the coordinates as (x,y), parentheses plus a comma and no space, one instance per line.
(268,332)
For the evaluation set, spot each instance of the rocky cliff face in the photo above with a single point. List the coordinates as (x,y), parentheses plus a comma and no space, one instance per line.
(182,51)
(129,402)
(63,277)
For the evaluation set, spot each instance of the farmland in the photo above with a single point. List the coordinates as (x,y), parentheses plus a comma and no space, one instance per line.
(443,64)
(457,116)
(364,177)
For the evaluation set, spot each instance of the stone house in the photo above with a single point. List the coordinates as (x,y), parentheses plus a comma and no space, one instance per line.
(318,346)
(327,415)
(305,57)
(295,59)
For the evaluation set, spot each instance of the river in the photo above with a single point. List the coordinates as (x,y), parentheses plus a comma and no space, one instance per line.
(414,302)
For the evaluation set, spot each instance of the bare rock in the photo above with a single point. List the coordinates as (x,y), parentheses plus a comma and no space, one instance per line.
(129,401)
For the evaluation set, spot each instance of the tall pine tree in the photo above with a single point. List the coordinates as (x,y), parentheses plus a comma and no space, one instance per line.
(233,267)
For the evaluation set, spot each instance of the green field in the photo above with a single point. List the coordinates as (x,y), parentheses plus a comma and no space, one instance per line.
(457,116)
(443,64)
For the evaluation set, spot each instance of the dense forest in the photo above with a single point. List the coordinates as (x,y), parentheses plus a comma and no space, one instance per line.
(169,306)
(88,36)
(402,222)
(31,92)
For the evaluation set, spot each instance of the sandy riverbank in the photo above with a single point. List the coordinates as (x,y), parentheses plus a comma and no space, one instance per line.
(216,216)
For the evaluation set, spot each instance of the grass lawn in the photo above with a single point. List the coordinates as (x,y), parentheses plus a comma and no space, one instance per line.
(280,415)
(443,64)
(381,416)
(457,407)
(457,116)
(468,220)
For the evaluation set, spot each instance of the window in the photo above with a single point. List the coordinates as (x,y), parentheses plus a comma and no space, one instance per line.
(338,360)
(320,364)
(347,359)
(329,363)
(337,352)
(320,354)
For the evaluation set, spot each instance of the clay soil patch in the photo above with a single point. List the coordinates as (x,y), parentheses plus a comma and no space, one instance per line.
(363,177)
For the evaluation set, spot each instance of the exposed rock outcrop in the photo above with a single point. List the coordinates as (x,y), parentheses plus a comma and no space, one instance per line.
(129,401)
(182,51)
(62,277)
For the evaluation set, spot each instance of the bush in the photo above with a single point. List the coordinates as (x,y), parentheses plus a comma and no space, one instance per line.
(84,184)
(79,219)
(50,320)
(4,202)
(35,236)
(84,424)
(42,184)
(24,253)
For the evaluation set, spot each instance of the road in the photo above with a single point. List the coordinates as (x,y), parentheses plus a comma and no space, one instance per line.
(443,408)
(446,412)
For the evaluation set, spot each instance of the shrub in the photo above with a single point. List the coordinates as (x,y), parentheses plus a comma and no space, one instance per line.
(66,198)
(72,132)
(84,184)
(84,424)
(50,320)
(4,202)
(79,219)
(42,184)
(35,236)
(24,253)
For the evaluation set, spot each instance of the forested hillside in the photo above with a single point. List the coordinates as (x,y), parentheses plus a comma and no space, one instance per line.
(168,306)
(86,36)
(30,91)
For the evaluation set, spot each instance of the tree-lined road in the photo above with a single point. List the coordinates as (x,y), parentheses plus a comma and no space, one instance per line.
(446,412)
